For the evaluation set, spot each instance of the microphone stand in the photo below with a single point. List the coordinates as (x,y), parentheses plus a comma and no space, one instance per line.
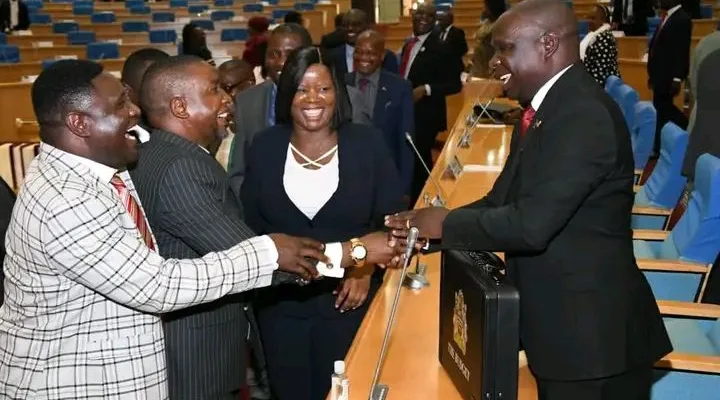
(379,391)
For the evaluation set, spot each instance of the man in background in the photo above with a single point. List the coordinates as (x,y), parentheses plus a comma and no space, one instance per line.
(355,22)
(424,59)
(235,76)
(14,16)
(255,107)
(383,100)
(453,37)
(630,16)
(135,67)
(336,38)
(668,64)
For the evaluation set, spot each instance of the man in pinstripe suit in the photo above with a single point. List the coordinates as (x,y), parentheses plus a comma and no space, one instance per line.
(192,211)
(83,283)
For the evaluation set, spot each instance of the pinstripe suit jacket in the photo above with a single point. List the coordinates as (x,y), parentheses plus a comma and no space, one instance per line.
(82,290)
(187,200)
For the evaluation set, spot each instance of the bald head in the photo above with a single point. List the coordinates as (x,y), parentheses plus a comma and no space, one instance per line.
(236,75)
(369,52)
(355,21)
(375,38)
(533,41)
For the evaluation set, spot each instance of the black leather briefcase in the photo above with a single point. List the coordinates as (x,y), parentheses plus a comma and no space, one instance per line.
(479,326)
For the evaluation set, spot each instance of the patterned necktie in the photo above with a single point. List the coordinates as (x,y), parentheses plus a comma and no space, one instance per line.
(133,209)
(527,116)
(406,55)
(363,84)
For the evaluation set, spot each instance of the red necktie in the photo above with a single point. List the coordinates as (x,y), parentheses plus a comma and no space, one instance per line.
(363,82)
(527,116)
(134,210)
(406,55)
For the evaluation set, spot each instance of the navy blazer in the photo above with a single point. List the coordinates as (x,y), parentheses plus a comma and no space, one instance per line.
(393,114)
(339,61)
(369,188)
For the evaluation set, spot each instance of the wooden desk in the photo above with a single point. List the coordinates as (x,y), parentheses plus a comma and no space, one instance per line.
(411,368)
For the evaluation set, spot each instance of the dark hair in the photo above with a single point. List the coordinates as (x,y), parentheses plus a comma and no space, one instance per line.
(193,44)
(339,19)
(137,63)
(294,29)
(292,74)
(64,86)
(605,10)
(293,17)
(164,77)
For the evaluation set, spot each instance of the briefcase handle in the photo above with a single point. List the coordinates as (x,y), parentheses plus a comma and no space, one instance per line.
(488,261)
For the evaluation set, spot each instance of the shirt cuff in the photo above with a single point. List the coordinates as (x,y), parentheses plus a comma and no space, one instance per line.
(334,252)
(427,90)
(677,80)
(268,256)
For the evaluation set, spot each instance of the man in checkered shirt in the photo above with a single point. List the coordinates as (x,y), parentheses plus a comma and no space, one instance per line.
(83,290)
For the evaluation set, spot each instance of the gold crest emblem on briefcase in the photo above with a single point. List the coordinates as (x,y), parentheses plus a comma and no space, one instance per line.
(460,329)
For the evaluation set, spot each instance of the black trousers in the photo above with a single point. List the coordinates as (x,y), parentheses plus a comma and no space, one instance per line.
(631,385)
(666,112)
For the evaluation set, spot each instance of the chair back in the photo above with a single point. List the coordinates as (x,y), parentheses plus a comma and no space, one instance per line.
(163,36)
(612,84)
(205,24)
(102,51)
(9,54)
(163,16)
(696,236)
(251,8)
(665,185)
(643,132)
(222,15)
(65,27)
(105,17)
(234,34)
(80,37)
(628,99)
(135,26)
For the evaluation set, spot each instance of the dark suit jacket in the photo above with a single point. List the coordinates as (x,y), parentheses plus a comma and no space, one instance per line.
(252,111)
(192,212)
(669,55)
(23,16)
(393,116)
(457,45)
(430,67)
(339,61)
(333,39)
(560,210)
(704,137)
(369,188)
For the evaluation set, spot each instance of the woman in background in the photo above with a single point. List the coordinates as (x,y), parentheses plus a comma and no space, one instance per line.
(316,174)
(195,43)
(598,49)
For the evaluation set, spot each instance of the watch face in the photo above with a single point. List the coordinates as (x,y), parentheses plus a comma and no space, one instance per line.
(359,252)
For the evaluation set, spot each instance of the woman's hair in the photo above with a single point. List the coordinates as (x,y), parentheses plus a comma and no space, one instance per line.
(606,12)
(292,74)
(194,43)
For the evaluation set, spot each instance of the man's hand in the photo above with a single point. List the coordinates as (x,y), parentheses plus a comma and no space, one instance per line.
(419,92)
(353,290)
(428,221)
(381,249)
(675,88)
(293,254)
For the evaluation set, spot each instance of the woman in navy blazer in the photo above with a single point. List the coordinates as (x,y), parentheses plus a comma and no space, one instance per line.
(316,175)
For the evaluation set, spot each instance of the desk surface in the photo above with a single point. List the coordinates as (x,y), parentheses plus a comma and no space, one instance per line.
(411,368)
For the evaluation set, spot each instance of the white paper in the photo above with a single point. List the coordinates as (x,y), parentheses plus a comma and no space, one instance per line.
(482,168)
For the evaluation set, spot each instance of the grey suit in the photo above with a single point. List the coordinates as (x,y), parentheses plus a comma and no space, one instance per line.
(192,212)
(252,115)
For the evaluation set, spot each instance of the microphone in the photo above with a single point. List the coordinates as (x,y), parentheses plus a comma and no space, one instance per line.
(438,200)
(379,391)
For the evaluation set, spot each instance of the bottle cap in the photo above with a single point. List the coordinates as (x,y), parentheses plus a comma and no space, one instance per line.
(339,367)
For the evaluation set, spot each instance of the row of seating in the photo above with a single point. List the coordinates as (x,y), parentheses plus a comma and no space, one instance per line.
(676,246)
(39,5)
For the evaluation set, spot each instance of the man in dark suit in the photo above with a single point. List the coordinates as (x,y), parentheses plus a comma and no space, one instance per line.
(355,22)
(336,38)
(668,64)
(424,63)
(14,16)
(187,201)
(453,37)
(135,67)
(560,211)
(255,107)
(383,100)
(630,16)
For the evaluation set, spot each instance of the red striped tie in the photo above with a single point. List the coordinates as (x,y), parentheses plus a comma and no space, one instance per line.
(527,116)
(134,209)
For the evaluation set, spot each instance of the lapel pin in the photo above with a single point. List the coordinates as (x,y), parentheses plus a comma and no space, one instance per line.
(537,124)
(422,49)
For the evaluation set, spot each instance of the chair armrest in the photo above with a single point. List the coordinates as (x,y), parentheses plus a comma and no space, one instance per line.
(690,362)
(650,234)
(650,210)
(687,309)
(647,264)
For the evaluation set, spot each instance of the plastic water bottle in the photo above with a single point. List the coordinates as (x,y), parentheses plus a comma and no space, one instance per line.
(340,386)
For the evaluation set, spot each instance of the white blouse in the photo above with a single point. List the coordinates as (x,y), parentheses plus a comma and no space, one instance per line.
(310,189)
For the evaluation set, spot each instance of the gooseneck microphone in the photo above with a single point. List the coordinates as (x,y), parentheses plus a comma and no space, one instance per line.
(410,140)
(379,391)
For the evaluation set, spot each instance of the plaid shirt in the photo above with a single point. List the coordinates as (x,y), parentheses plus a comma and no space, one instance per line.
(83,292)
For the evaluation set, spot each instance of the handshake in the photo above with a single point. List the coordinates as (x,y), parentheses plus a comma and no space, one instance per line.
(299,256)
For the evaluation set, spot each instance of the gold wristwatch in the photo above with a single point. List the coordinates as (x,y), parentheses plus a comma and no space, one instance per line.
(358,252)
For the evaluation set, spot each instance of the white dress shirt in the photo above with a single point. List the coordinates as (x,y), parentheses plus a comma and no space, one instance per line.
(349,57)
(14,13)
(544,89)
(84,294)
